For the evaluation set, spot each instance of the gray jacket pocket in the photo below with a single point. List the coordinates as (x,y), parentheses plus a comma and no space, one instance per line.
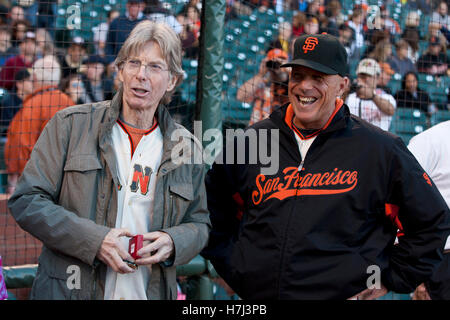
(181,195)
(83,162)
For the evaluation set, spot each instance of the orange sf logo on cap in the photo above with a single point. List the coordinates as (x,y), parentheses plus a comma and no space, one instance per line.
(310,44)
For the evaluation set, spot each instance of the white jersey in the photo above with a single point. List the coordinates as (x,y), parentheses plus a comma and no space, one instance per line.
(432,150)
(368,110)
(137,178)
(303,145)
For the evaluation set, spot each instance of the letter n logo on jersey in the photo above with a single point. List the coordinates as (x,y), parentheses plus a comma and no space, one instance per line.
(141,180)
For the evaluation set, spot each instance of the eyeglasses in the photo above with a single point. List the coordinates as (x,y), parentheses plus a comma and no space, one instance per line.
(134,66)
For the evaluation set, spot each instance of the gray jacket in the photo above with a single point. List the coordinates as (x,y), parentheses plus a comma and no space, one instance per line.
(67,198)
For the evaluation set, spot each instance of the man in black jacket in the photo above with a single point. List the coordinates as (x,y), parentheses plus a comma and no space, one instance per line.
(324,224)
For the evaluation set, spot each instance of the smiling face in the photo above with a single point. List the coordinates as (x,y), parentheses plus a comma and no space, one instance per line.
(143,90)
(313,96)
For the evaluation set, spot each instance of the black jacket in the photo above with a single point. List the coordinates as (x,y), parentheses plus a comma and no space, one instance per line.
(10,104)
(314,234)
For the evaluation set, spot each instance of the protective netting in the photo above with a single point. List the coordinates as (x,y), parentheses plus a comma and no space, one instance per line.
(407,39)
(55,54)
(402,37)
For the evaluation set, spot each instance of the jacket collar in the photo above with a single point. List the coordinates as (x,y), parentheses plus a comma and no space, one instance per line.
(39,91)
(283,117)
(167,127)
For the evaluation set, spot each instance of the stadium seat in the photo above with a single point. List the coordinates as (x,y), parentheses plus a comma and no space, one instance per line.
(235,111)
(423,26)
(395,85)
(410,114)
(423,46)
(445,82)
(438,95)
(440,116)
(231,24)
(426,78)
(229,38)
(408,122)
(427,82)
(409,127)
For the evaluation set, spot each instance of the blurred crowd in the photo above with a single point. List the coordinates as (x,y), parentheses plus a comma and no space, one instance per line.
(404,50)
(40,75)
(401,49)
(84,67)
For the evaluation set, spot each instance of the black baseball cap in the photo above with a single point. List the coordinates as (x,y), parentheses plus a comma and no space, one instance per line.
(320,52)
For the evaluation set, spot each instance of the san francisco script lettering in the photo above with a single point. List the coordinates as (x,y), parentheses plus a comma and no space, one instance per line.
(310,184)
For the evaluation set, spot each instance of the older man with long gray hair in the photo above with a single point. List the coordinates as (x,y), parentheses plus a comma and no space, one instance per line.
(102,174)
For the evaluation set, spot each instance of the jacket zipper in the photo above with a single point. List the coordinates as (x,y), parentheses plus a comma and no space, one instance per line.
(283,248)
(285,233)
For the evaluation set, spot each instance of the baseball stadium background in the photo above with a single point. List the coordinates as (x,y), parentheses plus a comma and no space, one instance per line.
(224,43)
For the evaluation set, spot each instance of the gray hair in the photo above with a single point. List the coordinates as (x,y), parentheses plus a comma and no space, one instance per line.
(165,37)
(47,71)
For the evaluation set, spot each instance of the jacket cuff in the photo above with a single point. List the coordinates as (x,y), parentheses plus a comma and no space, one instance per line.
(169,262)
(93,243)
